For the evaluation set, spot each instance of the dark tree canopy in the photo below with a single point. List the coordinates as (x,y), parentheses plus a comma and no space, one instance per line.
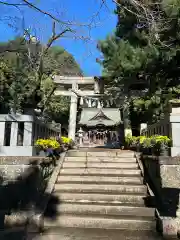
(141,59)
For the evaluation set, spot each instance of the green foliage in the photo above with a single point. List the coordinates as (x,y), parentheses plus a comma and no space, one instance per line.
(60,62)
(25,77)
(138,57)
(153,142)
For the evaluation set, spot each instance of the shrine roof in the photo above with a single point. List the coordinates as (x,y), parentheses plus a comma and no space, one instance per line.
(104,116)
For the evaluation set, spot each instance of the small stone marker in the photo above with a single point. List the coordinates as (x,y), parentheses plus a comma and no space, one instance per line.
(169,228)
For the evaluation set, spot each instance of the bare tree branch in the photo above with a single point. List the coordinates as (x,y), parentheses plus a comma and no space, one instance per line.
(144,12)
(31,5)
(39,69)
(55,37)
(12,4)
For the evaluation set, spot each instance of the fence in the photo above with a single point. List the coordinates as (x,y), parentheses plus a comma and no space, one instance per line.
(169,126)
(163,127)
(19,133)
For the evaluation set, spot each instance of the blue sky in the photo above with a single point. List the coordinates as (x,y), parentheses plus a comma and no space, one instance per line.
(81,44)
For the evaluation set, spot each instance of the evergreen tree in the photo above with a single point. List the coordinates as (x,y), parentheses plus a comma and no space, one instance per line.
(143,54)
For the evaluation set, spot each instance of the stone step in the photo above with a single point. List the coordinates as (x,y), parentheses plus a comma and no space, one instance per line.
(76,153)
(106,211)
(100,159)
(102,223)
(111,154)
(96,234)
(99,180)
(100,165)
(96,198)
(122,154)
(125,154)
(97,188)
(100,172)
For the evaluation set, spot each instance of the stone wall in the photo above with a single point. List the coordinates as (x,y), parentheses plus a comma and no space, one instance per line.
(23,182)
(152,173)
(163,176)
(13,167)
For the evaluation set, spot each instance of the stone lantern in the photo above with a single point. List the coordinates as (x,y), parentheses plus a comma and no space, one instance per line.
(80,135)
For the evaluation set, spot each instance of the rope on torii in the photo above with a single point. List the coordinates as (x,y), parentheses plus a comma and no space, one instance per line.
(82,96)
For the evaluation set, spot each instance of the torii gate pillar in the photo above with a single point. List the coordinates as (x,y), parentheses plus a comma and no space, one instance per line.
(73,113)
(64,82)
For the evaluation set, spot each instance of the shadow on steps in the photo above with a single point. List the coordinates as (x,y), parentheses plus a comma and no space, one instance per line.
(20,200)
(97,234)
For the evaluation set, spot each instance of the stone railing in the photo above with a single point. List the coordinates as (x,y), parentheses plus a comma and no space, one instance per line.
(169,126)
(18,134)
(163,176)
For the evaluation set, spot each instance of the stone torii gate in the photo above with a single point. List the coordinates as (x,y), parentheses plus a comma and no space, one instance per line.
(89,88)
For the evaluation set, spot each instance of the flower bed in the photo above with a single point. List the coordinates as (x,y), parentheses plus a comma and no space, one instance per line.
(52,147)
(67,142)
(154,145)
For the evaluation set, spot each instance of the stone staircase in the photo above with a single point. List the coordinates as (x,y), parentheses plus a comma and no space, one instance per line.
(102,196)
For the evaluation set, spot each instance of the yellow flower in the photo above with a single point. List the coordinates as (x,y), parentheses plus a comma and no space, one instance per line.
(45,143)
(66,140)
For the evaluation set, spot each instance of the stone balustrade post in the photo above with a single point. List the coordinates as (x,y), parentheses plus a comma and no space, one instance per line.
(14,134)
(28,134)
(2,133)
(89,103)
(143,126)
(175,127)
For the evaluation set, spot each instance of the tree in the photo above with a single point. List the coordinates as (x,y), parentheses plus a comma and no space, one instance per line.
(20,77)
(43,59)
(143,54)
(60,62)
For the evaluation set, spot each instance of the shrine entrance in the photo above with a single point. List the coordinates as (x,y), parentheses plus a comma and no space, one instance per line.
(96,136)
(100,124)
(101,127)
(86,89)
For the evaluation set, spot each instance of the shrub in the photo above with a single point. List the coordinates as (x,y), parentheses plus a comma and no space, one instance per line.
(66,140)
(151,144)
(162,140)
(47,143)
